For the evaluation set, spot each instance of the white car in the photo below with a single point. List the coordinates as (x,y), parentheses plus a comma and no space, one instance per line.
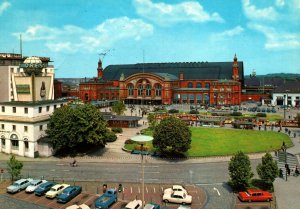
(135,204)
(178,197)
(175,188)
(56,190)
(34,184)
(83,206)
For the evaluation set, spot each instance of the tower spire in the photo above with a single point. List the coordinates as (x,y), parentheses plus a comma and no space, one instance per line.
(235,69)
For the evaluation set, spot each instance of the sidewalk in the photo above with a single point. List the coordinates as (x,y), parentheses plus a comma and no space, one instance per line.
(287,192)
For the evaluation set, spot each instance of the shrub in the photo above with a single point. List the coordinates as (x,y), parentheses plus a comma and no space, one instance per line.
(129,141)
(236,114)
(261,114)
(111,137)
(194,112)
(117,130)
(173,111)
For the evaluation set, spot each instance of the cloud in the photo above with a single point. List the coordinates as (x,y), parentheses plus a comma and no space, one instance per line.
(228,33)
(276,39)
(165,14)
(4,6)
(280,3)
(259,14)
(71,38)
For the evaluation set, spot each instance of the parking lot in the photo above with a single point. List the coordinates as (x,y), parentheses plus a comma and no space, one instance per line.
(153,193)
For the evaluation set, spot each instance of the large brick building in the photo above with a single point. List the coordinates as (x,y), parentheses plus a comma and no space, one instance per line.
(205,83)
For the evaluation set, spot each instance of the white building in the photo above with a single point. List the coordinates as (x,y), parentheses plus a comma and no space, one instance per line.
(22,124)
(286,98)
(26,103)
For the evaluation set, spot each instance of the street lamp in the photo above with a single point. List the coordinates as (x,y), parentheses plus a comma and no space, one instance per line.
(284,106)
(142,139)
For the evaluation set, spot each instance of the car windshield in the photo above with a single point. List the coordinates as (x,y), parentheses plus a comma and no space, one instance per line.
(52,189)
(16,184)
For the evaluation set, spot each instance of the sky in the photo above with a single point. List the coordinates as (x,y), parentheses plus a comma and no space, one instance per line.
(75,34)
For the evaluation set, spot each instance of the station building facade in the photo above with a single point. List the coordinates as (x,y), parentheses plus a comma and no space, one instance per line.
(203,83)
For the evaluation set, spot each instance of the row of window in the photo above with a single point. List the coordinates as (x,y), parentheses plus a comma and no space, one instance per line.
(198,85)
(141,89)
(14,109)
(14,127)
(14,144)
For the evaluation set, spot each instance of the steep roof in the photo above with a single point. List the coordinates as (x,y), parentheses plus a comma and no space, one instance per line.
(191,70)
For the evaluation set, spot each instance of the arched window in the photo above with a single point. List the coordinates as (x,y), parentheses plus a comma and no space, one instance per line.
(148,90)
(130,89)
(14,141)
(140,90)
(158,90)
(198,85)
(190,85)
(207,85)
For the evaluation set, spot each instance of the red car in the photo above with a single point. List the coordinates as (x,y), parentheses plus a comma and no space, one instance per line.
(255,195)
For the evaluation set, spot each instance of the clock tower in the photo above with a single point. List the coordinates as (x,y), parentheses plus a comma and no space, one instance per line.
(235,69)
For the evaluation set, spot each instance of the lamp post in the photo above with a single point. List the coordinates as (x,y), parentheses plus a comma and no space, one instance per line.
(142,139)
(284,106)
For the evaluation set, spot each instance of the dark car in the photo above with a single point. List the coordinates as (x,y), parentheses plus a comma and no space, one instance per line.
(43,188)
(68,194)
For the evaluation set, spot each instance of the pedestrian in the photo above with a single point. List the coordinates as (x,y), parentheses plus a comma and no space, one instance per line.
(259,127)
(294,134)
(289,132)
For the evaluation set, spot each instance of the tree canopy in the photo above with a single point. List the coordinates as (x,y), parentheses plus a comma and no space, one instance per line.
(172,135)
(268,169)
(118,107)
(240,171)
(71,129)
(14,167)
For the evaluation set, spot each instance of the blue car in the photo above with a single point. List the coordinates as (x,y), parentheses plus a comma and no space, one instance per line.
(68,194)
(107,199)
(43,188)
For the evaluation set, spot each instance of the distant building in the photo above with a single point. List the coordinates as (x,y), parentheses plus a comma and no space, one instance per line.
(203,83)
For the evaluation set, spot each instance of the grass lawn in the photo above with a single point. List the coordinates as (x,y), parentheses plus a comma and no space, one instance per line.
(220,141)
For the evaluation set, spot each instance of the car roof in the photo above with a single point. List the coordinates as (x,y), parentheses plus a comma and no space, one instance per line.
(150,205)
(178,193)
(254,190)
(133,203)
(35,181)
(177,186)
(21,180)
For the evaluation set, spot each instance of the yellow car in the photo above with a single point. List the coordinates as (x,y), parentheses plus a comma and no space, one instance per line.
(56,190)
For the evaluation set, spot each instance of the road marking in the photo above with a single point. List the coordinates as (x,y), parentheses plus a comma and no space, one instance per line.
(146,189)
(208,184)
(162,189)
(53,170)
(131,190)
(66,170)
(217,191)
(60,164)
(153,189)
(152,172)
(139,190)
(89,199)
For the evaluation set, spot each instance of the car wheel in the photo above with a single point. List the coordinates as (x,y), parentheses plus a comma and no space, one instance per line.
(183,203)
(166,201)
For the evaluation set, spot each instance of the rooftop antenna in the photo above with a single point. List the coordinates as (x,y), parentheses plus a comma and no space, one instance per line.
(21,45)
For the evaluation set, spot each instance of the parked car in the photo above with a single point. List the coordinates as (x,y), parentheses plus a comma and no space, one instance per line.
(43,188)
(107,199)
(152,206)
(68,194)
(18,185)
(135,204)
(83,206)
(56,190)
(178,197)
(175,188)
(34,185)
(254,195)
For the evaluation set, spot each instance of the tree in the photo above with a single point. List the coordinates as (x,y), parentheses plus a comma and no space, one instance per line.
(268,169)
(172,135)
(14,167)
(152,120)
(240,171)
(118,107)
(75,128)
